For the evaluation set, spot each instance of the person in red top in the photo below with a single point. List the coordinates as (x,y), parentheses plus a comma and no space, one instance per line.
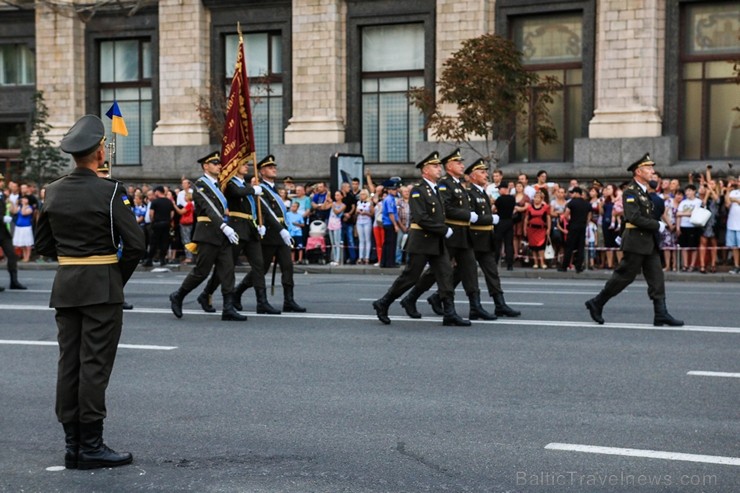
(537,224)
(186,224)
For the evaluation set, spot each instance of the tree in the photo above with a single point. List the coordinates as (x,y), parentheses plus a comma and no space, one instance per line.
(494,96)
(42,161)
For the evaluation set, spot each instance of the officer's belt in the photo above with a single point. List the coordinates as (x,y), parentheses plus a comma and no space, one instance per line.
(416,226)
(630,226)
(240,215)
(457,223)
(204,219)
(481,228)
(89,260)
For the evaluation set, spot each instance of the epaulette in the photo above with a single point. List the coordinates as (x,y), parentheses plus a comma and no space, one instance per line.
(113,180)
(57,179)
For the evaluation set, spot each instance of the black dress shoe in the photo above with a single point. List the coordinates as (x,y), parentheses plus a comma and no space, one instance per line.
(127,306)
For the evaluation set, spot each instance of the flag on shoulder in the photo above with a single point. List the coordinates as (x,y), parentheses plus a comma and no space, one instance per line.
(118,126)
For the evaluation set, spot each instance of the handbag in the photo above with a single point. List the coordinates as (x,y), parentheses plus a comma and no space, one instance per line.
(549,250)
(700,216)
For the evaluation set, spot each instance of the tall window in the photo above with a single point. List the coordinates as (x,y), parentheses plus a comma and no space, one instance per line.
(263,52)
(710,128)
(126,76)
(552,46)
(17,65)
(392,63)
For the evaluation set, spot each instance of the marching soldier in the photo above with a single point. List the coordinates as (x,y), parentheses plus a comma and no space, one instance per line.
(6,242)
(426,243)
(214,238)
(640,246)
(241,197)
(483,238)
(83,221)
(459,217)
(276,243)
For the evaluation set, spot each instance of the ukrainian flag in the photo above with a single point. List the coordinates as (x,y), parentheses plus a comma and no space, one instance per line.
(118,126)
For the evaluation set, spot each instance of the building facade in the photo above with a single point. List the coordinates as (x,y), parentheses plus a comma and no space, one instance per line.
(330,76)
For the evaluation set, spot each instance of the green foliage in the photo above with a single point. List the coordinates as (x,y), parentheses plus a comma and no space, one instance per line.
(42,160)
(494,95)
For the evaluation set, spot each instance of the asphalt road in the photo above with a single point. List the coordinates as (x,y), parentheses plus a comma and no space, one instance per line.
(334,401)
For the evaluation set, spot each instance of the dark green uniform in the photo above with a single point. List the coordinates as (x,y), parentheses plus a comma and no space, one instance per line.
(482,239)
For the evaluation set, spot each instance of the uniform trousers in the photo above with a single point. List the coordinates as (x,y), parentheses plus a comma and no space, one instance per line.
(222,256)
(465,268)
(630,266)
(441,270)
(488,264)
(284,257)
(253,252)
(6,242)
(88,339)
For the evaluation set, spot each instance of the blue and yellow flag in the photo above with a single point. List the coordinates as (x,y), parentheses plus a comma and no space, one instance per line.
(118,126)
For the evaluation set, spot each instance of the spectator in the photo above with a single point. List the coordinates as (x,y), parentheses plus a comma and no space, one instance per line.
(591,234)
(161,213)
(557,209)
(23,234)
(320,202)
(390,226)
(348,223)
(404,222)
(688,234)
(289,188)
(186,188)
(668,237)
(528,189)
(365,218)
(283,194)
(537,224)
(732,202)
(295,222)
(520,209)
(542,185)
(503,233)
(496,187)
(356,188)
(708,240)
(335,227)
(187,220)
(378,231)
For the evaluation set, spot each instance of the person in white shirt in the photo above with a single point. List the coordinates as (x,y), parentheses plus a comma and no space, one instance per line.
(186,188)
(529,190)
(688,234)
(732,202)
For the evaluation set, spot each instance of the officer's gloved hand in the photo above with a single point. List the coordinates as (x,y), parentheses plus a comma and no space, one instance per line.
(7,219)
(449,233)
(473,217)
(261,230)
(496,219)
(285,235)
(257,190)
(230,233)
(662,226)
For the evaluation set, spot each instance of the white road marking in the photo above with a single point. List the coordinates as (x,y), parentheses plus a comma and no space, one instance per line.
(54,343)
(714,374)
(523,303)
(55,468)
(650,454)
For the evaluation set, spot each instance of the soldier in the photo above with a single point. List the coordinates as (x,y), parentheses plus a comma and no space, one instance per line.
(426,243)
(85,235)
(458,216)
(484,243)
(276,243)
(241,197)
(6,242)
(214,238)
(640,243)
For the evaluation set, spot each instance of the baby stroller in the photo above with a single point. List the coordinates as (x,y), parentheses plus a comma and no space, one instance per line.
(316,243)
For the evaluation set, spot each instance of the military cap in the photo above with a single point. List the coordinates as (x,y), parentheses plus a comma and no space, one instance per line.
(643,161)
(214,158)
(598,184)
(104,168)
(84,136)
(454,156)
(433,158)
(268,160)
(1,176)
(288,179)
(477,164)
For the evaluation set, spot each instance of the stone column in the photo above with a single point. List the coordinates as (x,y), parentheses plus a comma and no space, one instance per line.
(60,67)
(184,68)
(629,69)
(319,73)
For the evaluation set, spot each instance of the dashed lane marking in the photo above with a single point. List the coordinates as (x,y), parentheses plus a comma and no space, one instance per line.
(713,374)
(650,454)
(54,343)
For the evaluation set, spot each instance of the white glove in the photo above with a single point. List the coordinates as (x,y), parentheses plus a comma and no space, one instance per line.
(230,233)
(285,235)
(257,190)
(473,217)
(662,226)
(448,233)
(261,230)
(496,219)
(7,219)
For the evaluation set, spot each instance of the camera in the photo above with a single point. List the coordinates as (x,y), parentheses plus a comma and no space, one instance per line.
(709,166)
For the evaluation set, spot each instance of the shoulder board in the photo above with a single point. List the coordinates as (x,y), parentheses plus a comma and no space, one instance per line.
(57,179)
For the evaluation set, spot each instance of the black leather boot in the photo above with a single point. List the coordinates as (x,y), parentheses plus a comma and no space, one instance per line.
(476,309)
(229,313)
(72,444)
(176,299)
(450,317)
(2,289)
(263,306)
(95,454)
(127,306)
(289,304)
(409,303)
(245,284)
(502,309)
(595,306)
(204,299)
(662,317)
(14,284)
(436,303)
(381,307)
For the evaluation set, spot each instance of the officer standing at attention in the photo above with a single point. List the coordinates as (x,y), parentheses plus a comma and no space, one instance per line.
(214,238)
(241,197)
(426,243)
(640,246)
(83,221)
(484,243)
(276,243)
(458,216)
(6,242)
